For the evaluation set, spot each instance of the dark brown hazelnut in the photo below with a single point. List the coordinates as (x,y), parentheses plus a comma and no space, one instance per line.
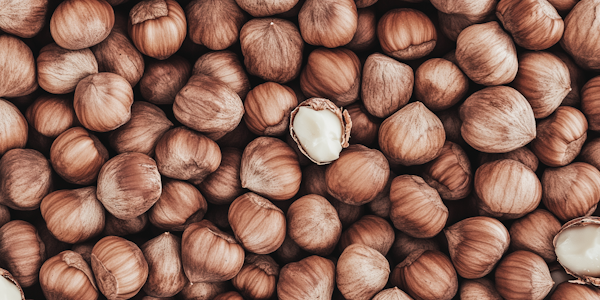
(25,179)
(214,23)
(365,127)
(328,23)
(118,55)
(365,37)
(590,102)
(224,185)
(120,227)
(450,173)
(163,79)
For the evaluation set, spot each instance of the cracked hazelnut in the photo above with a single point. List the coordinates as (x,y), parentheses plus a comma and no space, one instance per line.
(11,288)
(577,251)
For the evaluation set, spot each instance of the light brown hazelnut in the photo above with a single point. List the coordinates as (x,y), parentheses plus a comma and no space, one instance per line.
(22,251)
(204,290)
(523,275)
(165,271)
(119,266)
(79,24)
(563,6)
(24,19)
(522,155)
(267,108)
(417,208)
(163,79)
(18,67)
(59,70)
(209,254)
(478,289)
(313,223)
(270,168)
(264,8)
(535,232)
(387,85)
(179,205)
(226,66)
(224,185)
(405,244)
(13,127)
(412,136)
(157,27)
(214,24)
(25,179)
(450,173)
(392,294)
(497,120)
(129,184)
(427,275)
(580,33)
(365,127)
(258,277)
(231,295)
(257,223)
(10,286)
(328,23)
(73,216)
(506,189)
(577,77)
(487,54)
(272,49)
(472,8)
(51,115)
(118,55)
(371,231)
(440,84)
(365,37)
(309,278)
(361,272)
(77,156)
(576,249)
(67,276)
(208,105)
(567,290)
(406,34)
(590,102)
(120,227)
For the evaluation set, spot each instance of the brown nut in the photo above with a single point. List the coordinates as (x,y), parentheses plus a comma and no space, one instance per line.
(225,66)
(313,181)
(440,84)
(405,244)
(522,155)
(50,115)
(204,290)
(289,251)
(365,36)
(478,289)
(392,294)
(258,277)
(576,252)
(163,79)
(165,270)
(406,34)
(590,102)
(214,24)
(371,231)
(450,173)
(18,67)
(79,24)
(580,33)
(118,55)
(59,70)
(10,286)
(13,127)
(523,275)
(328,23)
(231,295)
(309,278)
(67,276)
(179,205)
(22,251)
(4,215)
(224,185)
(23,18)
(120,227)
(347,213)
(577,77)
(567,290)
(452,123)
(535,232)
(25,179)
(157,27)
(365,127)
(589,152)
(361,272)
(267,108)
(264,8)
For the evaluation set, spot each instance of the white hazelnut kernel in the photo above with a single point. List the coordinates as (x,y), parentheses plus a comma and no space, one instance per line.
(319,132)
(9,290)
(578,249)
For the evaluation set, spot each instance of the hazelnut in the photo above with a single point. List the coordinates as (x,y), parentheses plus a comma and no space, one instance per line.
(224,185)
(452,123)
(523,275)
(267,108)
(405,244)
(157,27)
(365,127)
(577,78)
(487,54)
(214,24)
(563,6)
(179,205)
(365,36)
(412,136)
(270,168)
(257,223)
(231,295)
(371,231)
(79,24)
(289,251)
(67,276)
(361,272)
(387,85)
(225,66)
(392,294)
(589,152)
(77,156)
(272,49)
(119,266)
(560,137)
(4,215)
(309,278)
(13,126)
(120,227)
(18,70)
(365,3)
(406,34)
(343,179)
(129,184)
(11,288)
(506,189)
(329,23)
(534,232)
(52,245)
(313,223)
(209,254)
(347,213)
(51,115)
(59,70)
(208,105)
(165,271)
(264,8)
(440,84)
(472,8)
(118,55)
(22,251)
(590,102)
(522,155)
(204,290)
(258,277)
(240,137)
(25,179)
(453,24)
(450,173)
(497,120)
(580,33)
(163,79)
(576,250)
(85,250)
(427,275)
(478,289)
(381,205)
(24,19)
(569,290)
(313,181)
(571,191)
(417,208)
(73,216)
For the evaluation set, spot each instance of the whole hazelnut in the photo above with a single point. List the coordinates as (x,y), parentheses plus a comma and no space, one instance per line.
(240,137)
(22,251)
(329,23)
(214,23)
(412,136)
(264,8)
(10,286)
(313,181)
(79,24)
(313,223)
(487,54)
(405,244)
(361,272)
(381,205)
(522,155)
(450,173)
(577,77)
(163,79)
(225,66)
(371,231)
(231,295)
(119,266)
(289,251)
(209,254)
(465,7)
(478,289)
(118,55)
(267,108)
(25,179)
(24,19)
(392,294)
(129,184)
(506,189)
(4,215)
(387,85)
(179,205)
(270,168)
(73,216)
(453,24)
(590,102)
(67,276)
(204,290)
(309,278)
(157,27)
(257,223)
(347,213)
(440,84)
(59,70)
(77,156)
(580,33)
(18,67)
(535,232)
(120,227)
(224,185)
(523,275)
(50,115)
(452,123)
(365,36)
(567,290)
(103,101)
(165,270)
(272,49)
(589,152)
(497,120)
(560,137)
(406,34)
(365,127)
(417,208)
(258,277)
(13,126)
